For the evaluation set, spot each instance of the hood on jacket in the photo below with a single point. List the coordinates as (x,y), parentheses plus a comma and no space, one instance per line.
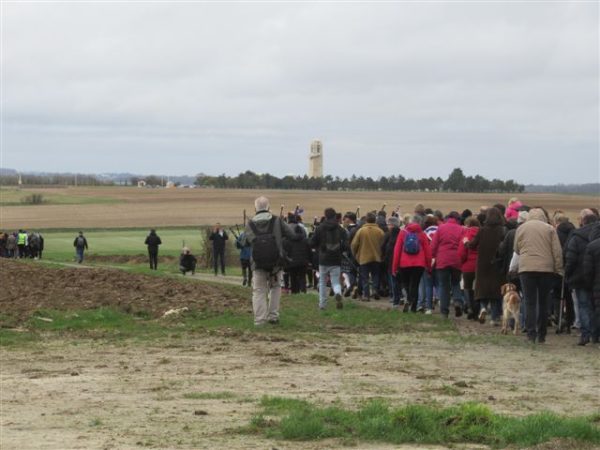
(262,216)
(515,205)
(537,214)
(330,224)
(413,228)
(595,233)
(471,232)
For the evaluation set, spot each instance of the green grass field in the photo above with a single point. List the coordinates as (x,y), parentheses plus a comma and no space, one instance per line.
(58,245)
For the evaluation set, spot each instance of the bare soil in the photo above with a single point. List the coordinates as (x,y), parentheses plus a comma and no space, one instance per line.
(31,287)
(186,207)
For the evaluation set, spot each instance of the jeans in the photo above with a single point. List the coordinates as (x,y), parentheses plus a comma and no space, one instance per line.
(448,281)
(426,290)
(536,288)
(372,269)
(79,252)
(586,312)
(395,289)
(469,293)
(494,305)
(334,274)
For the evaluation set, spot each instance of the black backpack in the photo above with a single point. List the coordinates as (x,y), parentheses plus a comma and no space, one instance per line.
(265,251)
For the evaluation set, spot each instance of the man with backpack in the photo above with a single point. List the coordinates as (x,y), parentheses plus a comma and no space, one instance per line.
(265,233)
(80,244)
(330,239)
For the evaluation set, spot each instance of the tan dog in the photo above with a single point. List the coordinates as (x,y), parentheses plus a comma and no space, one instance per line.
(512,306)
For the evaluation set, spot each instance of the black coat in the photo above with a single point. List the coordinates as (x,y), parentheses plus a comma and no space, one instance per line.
(298,253)
(506,250)
(319,238)
(591,264)
(218,240)
(153,241)
(564,230)
(387,248)
(576,245)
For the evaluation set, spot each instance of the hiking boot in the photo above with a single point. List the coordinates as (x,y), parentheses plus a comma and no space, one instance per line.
(583,341)
(348,292)
(274,321)
(244,282)
(457,311)
(338,301)
(428,312)
(482,315)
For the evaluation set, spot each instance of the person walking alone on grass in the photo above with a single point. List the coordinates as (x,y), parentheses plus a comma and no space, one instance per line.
(153,241)
(219,239)
(265,233)
(330,239)
(80,244)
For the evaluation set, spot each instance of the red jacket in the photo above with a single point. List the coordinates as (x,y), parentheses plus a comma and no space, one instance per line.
(444,246)
(468,256)
(403,259)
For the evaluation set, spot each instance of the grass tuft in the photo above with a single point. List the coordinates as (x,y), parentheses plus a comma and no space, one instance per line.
(377,421)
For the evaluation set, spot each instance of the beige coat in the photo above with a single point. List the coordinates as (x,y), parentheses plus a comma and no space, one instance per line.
(538,246)
(366,245)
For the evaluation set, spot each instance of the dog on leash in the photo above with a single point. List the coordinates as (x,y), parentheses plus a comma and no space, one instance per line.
(512,306)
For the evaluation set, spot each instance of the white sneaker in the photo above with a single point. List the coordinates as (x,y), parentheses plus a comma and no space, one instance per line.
(428,312)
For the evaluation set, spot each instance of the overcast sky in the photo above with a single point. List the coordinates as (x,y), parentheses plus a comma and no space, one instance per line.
(507,90)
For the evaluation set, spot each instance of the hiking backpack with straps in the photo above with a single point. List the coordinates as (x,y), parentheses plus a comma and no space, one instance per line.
(411,243)
(265,251)
(332,244)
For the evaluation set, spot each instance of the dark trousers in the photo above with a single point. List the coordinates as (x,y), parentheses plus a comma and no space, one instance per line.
(22,251)
(153,257)
(370,269)
(411,277)
(469,293)
(219,255)
(448,282)
(246,270)
(298,279)
(536,289)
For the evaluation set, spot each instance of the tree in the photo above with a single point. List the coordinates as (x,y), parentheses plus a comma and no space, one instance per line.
(456,181)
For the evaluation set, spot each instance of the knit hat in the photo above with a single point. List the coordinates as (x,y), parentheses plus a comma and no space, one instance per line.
(393,220)
(523,215)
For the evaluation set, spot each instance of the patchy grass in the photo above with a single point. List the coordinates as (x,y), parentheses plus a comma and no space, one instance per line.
(225,395)
(377,421)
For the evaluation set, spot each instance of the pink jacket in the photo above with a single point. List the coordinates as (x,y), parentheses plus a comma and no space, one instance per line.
(512,212)
(403,259)
(444,246)
(468,256)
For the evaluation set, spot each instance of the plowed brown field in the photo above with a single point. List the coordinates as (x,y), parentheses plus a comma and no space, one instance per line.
(136,207)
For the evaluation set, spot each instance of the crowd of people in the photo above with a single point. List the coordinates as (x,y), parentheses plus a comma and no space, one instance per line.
(458,262)
(21,244)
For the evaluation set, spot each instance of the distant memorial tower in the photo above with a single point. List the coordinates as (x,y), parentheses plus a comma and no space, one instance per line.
(315,162)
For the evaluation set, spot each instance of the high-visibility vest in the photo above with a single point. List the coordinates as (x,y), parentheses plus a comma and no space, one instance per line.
(22,239)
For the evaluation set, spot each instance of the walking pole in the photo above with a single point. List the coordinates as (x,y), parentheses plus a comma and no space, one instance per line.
(244,218)
(281,211)
(383,207)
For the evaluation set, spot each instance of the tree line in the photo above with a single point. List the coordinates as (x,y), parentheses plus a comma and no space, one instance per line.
(457,181)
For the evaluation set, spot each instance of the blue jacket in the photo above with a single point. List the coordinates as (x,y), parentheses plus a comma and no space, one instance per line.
(245,251)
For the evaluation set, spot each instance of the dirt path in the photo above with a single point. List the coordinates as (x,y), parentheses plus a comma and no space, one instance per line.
(71,395)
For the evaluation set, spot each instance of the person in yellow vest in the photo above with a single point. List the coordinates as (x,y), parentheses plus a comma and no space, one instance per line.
(22,243)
